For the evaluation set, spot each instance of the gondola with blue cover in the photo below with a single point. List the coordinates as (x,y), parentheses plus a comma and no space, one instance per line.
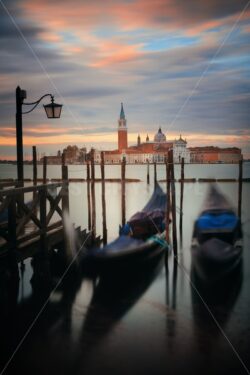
(217,238)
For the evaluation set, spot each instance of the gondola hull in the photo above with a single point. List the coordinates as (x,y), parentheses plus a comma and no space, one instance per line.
(215,259)
(118,256)
(217,239)
(140,240)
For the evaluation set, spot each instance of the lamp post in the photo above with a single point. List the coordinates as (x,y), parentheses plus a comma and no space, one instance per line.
(53,110)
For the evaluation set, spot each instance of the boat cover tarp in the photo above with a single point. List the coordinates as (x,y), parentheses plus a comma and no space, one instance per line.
(125,244)
(150,220)
(144,223)
(218,219)
(224,221)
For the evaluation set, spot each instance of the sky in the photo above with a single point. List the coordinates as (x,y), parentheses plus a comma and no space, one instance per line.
(182,65)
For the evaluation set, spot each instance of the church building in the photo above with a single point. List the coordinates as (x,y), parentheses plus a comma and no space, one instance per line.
(143,152)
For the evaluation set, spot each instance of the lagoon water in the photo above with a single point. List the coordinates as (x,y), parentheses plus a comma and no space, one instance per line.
(162,322)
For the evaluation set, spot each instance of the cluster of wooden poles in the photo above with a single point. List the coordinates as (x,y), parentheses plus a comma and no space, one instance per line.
(170,188)
(171,200)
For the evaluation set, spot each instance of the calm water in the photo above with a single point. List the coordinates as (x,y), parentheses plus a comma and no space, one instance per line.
(161,322)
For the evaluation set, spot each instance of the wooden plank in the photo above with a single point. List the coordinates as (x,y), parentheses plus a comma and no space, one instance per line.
(206,179)
(24,220)
(29,212)
(54,205)
(28,189)
(226,180)
(37,233)
(30,248)
(8,184)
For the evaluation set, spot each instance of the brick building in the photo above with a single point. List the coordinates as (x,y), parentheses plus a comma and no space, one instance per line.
(211,154)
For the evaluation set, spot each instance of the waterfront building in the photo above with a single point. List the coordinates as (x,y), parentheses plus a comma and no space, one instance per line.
(143,152)
(181,151)
(155,150)
(211,154)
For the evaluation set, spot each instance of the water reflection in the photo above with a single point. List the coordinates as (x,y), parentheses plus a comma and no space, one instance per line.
(112,299)
(171,298)
(46,320)
(24,324)
(215,302)
(9,286)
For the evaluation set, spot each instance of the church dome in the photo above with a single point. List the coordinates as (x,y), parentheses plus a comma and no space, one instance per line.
(180,141)
(159,136)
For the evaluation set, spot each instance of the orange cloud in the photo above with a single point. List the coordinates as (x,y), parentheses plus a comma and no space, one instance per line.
(58,139)
(34,136)
(112,53)
(81,19)
(50,37)
(164,14)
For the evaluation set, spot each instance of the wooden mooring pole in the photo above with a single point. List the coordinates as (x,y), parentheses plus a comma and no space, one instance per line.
(93,214)
(148,178)
(168,177)
(240,188)
(44,170)
(181,198)
(34,162)
(88,196)
(123,169)
(155,174)
(65,206)
(173,205)
(65,178)
(104,225)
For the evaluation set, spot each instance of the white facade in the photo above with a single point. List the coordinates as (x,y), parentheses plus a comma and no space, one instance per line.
(97,156)
(180,151)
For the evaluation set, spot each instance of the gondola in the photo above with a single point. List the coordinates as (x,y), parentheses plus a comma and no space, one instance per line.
(140,239)
(217,238)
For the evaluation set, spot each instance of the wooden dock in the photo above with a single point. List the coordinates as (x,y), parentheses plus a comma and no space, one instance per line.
(36,225)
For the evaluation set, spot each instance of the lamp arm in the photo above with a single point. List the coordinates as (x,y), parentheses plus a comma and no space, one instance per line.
(35,104)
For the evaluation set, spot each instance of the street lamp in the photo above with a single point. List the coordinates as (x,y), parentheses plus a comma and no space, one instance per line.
(53,110)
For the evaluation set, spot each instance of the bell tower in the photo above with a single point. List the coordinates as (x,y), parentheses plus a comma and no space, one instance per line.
(122,131)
